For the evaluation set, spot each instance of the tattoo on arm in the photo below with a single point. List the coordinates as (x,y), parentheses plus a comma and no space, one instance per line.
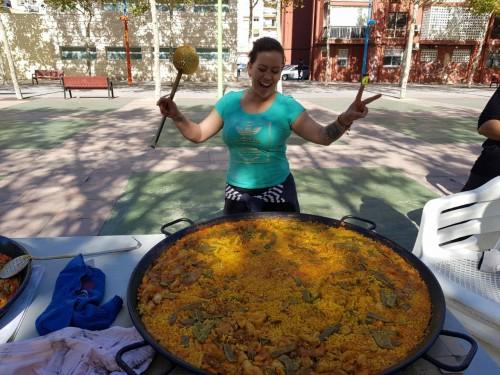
(334,131)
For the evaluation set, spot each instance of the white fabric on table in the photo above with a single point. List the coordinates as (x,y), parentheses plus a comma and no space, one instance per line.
(74,351)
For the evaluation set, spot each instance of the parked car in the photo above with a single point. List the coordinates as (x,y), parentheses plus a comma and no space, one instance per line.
(292,72)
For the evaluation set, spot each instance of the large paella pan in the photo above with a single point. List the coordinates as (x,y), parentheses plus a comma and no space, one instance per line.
(275,293)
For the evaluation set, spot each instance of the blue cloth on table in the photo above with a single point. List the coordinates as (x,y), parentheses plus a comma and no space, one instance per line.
(77,294)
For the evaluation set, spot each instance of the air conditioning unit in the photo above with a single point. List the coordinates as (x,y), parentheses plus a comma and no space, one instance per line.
(416,46)
(417,28)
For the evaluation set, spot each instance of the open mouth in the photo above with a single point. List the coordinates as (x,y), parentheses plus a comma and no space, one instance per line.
(265,84)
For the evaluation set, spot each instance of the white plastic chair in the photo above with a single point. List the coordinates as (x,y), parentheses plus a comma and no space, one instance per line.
(475,228)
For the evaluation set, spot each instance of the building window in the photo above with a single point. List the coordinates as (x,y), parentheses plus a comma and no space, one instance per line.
(78,53)
(393,57)
(428,55)
(165,52)
(210,6)
(269,22)
(495,33)
(396,25)
(342,57)
(211,53)
(114,7)
(452,23)
(460,56)
(493,60)
(118,53)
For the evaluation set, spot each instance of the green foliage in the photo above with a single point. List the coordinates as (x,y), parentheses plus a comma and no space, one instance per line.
(84,6)
(134,7)
(484,6)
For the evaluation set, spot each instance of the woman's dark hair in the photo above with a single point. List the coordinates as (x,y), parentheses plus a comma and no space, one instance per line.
(265,44)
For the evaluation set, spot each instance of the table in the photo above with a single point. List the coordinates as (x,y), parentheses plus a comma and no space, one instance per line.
(119,266)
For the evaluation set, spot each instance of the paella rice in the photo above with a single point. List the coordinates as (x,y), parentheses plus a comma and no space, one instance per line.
(8,287)
(284,296)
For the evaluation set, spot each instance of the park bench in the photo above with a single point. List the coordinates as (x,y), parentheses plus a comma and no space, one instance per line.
(87,83)
(495,80)
(46,74)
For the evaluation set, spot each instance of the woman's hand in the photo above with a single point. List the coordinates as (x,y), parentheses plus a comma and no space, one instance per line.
(169,109)
(358,108)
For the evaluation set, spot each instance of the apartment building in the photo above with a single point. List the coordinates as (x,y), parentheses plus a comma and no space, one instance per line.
(446,41)
(43,38)
(265,22)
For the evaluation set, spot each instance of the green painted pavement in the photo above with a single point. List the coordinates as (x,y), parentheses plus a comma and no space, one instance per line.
(45,124)
(428,123)
(382,195)
(431,127)
(38,134)
(479,103)
(71,105)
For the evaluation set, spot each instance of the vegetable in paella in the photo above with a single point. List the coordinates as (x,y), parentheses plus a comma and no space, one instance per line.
(283,296)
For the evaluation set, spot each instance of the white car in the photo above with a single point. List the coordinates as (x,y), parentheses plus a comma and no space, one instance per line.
(292,72)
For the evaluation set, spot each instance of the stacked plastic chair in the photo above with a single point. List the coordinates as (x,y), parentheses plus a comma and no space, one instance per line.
(455,232)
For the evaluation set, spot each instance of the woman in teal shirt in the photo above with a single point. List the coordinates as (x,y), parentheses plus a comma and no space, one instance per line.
(256,124)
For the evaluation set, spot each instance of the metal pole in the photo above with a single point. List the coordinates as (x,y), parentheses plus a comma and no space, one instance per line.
(124,18)
(369,22)
(220,75)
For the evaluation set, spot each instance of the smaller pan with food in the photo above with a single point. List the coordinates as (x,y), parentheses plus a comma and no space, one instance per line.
(12,287)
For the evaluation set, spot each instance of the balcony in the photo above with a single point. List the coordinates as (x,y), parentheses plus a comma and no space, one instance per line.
(344,32)
(270,12)
(396,33)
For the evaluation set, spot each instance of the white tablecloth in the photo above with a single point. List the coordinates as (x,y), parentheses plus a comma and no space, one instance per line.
(118,268)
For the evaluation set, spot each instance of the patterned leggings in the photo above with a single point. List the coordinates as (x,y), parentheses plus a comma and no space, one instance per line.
(281,197)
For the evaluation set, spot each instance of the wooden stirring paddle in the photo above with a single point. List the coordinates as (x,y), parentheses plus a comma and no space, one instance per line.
(185,61)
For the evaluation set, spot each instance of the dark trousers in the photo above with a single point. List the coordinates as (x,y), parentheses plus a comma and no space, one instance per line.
(249,203)
(475,181)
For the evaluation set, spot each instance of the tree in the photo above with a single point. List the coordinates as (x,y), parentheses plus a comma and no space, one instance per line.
(156,47)
(10,61)
(87,9)
(489,7)
(407,55)
(251,6)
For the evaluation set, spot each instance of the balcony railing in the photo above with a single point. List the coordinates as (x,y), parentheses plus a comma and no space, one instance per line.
(344,32)
(399,32)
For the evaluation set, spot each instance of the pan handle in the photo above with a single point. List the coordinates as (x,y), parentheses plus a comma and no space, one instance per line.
(164,226)
(372,224)
(468,358)
(119,360)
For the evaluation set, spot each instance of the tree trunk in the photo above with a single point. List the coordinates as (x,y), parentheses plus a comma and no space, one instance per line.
(12,69)
(87,44)
(407,56)
(477,56)
(220,65)
(171,48)
(156,48)
(328,67)
(250,21)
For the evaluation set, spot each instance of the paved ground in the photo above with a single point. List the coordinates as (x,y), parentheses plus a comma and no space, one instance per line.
(84,166)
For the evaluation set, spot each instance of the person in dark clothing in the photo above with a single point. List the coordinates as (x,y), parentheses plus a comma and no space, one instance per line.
(300,69)
(487,166)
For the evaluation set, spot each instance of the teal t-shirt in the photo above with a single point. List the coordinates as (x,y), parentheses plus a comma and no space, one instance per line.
(257,141)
